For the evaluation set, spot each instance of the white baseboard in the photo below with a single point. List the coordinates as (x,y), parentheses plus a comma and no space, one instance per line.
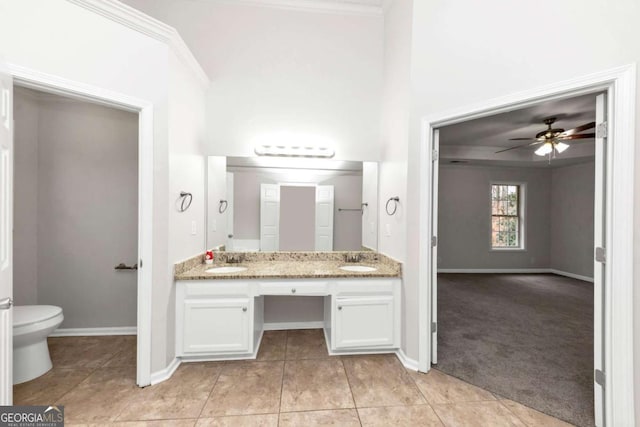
(406,361)
(165,374)
(494,270)
(85,332)
(571,275)
(515,271)
(280,326)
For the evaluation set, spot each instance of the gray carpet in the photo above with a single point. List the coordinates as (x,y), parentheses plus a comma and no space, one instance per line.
(527,337)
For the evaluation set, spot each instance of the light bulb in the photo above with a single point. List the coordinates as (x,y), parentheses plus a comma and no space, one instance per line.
(545,149)
(561,146)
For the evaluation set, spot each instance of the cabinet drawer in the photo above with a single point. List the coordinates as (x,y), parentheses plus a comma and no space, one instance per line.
(215,288)
(366,287)
(292,287)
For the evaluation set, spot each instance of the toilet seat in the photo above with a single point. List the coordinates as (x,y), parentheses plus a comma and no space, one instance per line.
(24,315)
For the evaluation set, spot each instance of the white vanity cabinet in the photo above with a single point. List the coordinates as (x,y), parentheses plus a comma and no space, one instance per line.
(224,319)
(364,315)
(215,322)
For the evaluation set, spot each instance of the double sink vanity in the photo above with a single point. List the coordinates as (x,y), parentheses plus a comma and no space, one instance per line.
(220,306)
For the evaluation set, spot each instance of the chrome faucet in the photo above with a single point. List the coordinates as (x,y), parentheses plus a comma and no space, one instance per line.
(234,259)
(353,257)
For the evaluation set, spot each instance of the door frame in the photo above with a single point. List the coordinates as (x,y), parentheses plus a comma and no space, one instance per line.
(620,86)
(34,79)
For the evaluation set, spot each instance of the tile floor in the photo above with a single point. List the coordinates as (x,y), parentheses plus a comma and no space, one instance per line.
(294,382)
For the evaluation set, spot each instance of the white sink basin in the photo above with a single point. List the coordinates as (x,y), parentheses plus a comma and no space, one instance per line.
(226,269)
(358,268)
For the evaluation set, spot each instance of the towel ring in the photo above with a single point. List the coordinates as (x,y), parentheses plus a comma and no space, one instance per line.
(223,206)
(395,205)
(187,198)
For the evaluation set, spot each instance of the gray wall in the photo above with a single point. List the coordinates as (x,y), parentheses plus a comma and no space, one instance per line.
(297,218)
(25,231)
(86,217)
(558,221)
(572,200)
(464,218)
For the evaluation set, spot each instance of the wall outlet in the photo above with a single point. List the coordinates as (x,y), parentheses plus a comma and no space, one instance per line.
(194,228)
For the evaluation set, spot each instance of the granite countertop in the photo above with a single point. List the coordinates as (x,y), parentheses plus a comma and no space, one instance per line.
(289,265)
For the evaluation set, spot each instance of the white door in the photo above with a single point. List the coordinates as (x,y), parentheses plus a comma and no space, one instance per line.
(6,237)
(269,217)
(434,246)
(229,211)
(599,265)
(324,218)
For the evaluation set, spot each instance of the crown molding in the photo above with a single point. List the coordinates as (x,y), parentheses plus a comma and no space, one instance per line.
(142,23)
(343,7)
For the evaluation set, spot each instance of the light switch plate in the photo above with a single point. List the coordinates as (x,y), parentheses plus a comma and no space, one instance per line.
(214,225)
(387,229)
(193,228)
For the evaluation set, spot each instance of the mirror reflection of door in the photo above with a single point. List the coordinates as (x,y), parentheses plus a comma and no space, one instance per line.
(296,217)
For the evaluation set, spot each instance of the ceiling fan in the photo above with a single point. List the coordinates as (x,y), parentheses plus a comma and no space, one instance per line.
(552,139)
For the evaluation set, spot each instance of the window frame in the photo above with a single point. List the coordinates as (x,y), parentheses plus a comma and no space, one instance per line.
(522,193)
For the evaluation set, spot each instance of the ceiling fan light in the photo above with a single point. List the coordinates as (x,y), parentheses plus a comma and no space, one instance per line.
(561,146)
(544,149)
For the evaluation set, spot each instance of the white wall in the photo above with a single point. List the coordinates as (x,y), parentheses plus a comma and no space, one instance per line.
(464,217)
(25,200)
(396,97)
(276,70)
(103,53)
(85,219)
(572,212)
(458,60)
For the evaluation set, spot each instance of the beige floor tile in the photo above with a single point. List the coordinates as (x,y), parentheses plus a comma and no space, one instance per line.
(531,417)
(340,417)
(101,396)
(306,344)
(246,388)
(85,352)
(273,345)
(315,384)
(162,423)
(477,414)
(264,420)
(48,388)
(399,416)
(440,388)
(126,356)
(181,396)
(380,381)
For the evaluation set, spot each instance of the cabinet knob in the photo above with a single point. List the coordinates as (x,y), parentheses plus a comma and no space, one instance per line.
(244,308)
(293,290)
(339,307)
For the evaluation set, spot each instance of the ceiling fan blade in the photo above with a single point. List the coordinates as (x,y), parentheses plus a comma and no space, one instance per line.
(520,146)
(580,136)
(579,129)
(522,139)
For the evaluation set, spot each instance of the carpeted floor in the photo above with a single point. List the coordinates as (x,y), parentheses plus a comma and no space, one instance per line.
(527,337)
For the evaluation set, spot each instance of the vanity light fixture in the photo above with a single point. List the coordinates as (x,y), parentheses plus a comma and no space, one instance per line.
(294,151)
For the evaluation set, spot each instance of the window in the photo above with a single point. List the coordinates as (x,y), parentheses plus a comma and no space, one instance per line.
(506,216)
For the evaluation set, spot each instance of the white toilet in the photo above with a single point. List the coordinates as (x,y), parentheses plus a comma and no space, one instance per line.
(32,324)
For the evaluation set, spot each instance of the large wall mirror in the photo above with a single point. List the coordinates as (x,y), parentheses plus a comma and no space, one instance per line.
(291,204)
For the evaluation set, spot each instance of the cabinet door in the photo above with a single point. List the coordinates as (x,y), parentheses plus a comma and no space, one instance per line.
(217,325)
(363,322)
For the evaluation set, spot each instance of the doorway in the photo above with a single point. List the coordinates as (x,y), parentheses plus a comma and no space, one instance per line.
(611,349)
(35,80)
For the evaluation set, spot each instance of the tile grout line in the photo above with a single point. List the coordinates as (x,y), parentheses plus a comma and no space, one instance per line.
(284,366)
(210,392)
(353,398)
